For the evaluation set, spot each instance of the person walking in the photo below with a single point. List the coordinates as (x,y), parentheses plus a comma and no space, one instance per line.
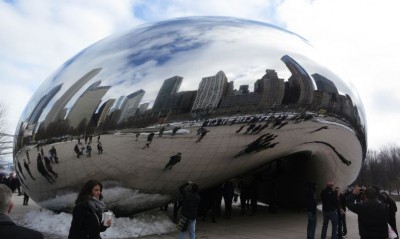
(372,215)
(149,140)
(190,205)
(329,206)
(8,229)
(87,213)
(26,199)
(173,160)
(311,205)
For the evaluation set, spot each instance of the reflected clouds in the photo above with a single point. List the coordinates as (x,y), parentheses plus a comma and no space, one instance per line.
(231,96)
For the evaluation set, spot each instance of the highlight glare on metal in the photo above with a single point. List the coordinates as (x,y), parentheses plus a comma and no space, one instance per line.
(239,100)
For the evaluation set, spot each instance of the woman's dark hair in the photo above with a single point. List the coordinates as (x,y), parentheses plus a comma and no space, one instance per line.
(84,194)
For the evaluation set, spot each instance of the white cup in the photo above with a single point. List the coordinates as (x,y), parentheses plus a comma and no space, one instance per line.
(107,216)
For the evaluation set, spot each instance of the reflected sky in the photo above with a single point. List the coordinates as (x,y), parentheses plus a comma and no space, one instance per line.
(144,57)
(179,75)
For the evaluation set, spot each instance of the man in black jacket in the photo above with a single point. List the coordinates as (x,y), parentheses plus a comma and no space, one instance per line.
(330,204)
(190,205)
(311,205)
(372,215)
(8,229)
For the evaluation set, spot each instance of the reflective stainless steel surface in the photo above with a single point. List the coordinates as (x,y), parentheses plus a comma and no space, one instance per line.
(238,99)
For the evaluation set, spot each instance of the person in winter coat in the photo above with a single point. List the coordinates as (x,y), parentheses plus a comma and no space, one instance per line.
(190,205)
(372,214)
(87,213)
(8,229)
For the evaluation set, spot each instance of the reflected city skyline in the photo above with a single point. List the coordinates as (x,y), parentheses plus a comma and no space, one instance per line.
(210,99)
(215,96)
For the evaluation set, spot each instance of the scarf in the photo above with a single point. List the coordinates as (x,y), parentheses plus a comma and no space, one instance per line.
(97,206)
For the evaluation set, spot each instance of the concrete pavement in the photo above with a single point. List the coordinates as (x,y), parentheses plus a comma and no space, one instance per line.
(286,224)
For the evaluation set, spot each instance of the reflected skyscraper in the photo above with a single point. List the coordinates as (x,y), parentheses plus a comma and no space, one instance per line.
(57,111)
(86,105)
(271,88)
(169,88)
(37,112)
(324,84)
(300,83)
(283,139)
(130,105)
(210,92)
(104,111)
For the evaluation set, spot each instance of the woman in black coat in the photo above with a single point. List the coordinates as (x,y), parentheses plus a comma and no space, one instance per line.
(87,214)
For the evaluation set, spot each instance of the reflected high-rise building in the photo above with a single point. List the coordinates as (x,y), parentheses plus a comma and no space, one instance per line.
(242,138)
(271,88)
(43,102)
(169,88)
(130,105)
(143,107)
(210,92)
(104,111)
(86,105)
(57,111)
(324,84)
(328,91)
(300,84)
(118,104)
(182,102)
(244,89)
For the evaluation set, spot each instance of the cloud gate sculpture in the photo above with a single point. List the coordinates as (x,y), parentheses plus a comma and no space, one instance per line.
(206,99)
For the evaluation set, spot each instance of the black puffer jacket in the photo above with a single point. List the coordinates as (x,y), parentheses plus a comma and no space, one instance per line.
(85,223)
(190,202)
(372,217)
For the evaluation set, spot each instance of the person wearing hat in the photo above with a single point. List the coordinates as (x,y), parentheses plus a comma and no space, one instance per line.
(330,204)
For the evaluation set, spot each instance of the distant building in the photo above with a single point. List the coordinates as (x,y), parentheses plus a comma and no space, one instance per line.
(86,105)
(324,84)
(104,111)
(210,92)
(271,89)
(143,107)
(41,105)
(58,109)
(117,105)
(244,89)
(169,88)
(130,105)
(239,102)
(300,84)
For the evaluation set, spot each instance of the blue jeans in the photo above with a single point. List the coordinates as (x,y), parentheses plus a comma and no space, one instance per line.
(191,229)
(311,225)
(333,217)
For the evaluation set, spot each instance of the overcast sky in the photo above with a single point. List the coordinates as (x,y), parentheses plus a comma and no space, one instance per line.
(359,38)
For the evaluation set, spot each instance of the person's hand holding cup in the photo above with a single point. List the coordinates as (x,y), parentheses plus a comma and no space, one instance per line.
(107,218)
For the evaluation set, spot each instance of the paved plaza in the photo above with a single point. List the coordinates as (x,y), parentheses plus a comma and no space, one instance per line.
(283,225)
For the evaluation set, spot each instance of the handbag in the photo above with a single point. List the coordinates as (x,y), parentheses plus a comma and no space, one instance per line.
(183,224)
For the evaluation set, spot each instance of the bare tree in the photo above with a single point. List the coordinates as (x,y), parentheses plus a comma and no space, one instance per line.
(381,168)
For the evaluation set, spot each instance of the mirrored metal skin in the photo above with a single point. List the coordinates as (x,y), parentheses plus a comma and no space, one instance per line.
(205,99)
